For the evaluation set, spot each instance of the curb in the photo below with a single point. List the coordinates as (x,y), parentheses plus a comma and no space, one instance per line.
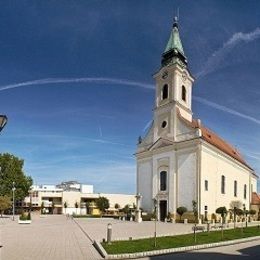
(104,254)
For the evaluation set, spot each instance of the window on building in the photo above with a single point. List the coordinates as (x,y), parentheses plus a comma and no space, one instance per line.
(245,191)
(206,185)
(223,184)
(235,188)
(163,180)
(183,93)
(206,213)
(164,124)
(165,91)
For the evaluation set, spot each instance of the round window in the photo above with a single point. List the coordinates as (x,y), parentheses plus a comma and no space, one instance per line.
(164,124)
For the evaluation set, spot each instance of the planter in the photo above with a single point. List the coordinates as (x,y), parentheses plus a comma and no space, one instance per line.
(24,221)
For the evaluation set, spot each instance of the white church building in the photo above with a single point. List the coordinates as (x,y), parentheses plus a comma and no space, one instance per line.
(180,160)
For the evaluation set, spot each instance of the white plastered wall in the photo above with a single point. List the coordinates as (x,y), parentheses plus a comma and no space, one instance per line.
(214,164)
(144,183)
(187,175)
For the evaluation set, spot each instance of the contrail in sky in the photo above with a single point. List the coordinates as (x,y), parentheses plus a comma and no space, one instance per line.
(77,80)
(219,56)
(123,82)
(226,109)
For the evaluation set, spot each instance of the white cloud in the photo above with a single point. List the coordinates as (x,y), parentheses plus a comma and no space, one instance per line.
(216,59)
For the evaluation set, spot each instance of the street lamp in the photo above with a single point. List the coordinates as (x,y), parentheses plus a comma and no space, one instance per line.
(13,190)
(155,220)
(3,121)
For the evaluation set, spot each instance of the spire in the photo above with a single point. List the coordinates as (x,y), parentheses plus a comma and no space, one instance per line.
(174,46)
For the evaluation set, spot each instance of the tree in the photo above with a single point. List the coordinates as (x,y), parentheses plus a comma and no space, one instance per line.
(126,209)
(5,203)
(181,211)
(65,206)
(195,213)
(102,203)
(76,206)
(52,207)
(195,210)
(252,212)
(223,212)
(235,205)
(11,170)
(42,207)
(117,206)
(239,212)
(88,203)
(246,213)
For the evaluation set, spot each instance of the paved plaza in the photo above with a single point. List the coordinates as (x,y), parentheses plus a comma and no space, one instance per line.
(58,237)
(48,237)
(122,230)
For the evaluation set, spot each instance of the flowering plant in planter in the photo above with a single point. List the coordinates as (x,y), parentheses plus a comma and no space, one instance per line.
(25,218)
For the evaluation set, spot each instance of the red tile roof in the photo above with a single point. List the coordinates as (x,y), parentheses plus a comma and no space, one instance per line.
(212,138)
(255,198)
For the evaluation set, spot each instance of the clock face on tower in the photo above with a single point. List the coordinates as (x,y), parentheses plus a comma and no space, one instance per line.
(184,76)
(165,74)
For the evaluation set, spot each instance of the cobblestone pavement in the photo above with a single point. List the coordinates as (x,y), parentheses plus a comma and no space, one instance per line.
(48,237)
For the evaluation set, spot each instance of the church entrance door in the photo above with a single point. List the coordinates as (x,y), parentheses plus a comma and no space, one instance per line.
(163,210)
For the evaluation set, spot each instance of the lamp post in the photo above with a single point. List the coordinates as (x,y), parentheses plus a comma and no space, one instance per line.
(155,220)
(13,190)
(3,122)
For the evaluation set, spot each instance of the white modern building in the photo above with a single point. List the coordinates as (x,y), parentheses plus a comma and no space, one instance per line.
(72,198)
(180,160)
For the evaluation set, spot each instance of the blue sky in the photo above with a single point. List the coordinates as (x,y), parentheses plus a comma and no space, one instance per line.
(76,81)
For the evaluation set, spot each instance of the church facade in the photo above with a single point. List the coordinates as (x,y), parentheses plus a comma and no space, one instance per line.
(180,160)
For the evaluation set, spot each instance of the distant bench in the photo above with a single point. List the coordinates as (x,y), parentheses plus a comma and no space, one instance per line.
(219,226)
(198,228)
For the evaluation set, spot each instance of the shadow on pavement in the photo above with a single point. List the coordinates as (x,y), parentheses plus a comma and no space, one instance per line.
(248,253)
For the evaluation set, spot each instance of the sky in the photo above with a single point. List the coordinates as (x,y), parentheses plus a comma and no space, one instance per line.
(76,81)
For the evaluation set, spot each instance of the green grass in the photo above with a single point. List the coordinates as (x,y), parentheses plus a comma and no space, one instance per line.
(140,245)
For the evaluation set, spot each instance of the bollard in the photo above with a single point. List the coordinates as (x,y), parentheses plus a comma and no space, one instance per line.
(208,226)
(109,233)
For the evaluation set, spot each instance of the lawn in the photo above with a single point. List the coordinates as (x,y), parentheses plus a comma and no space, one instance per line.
(141,245)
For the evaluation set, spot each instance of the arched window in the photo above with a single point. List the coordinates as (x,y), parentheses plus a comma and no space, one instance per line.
(206,185)
(245,191)
(235,188)
(223,184)
(183,93)
(163,180)
(165,92)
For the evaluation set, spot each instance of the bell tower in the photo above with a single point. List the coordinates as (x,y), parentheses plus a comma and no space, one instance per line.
(173,88)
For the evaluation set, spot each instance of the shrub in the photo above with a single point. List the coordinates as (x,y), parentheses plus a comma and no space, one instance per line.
(213,216)
(181,211)
(239,212)
(252,212)
(148,217)
(25,216)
